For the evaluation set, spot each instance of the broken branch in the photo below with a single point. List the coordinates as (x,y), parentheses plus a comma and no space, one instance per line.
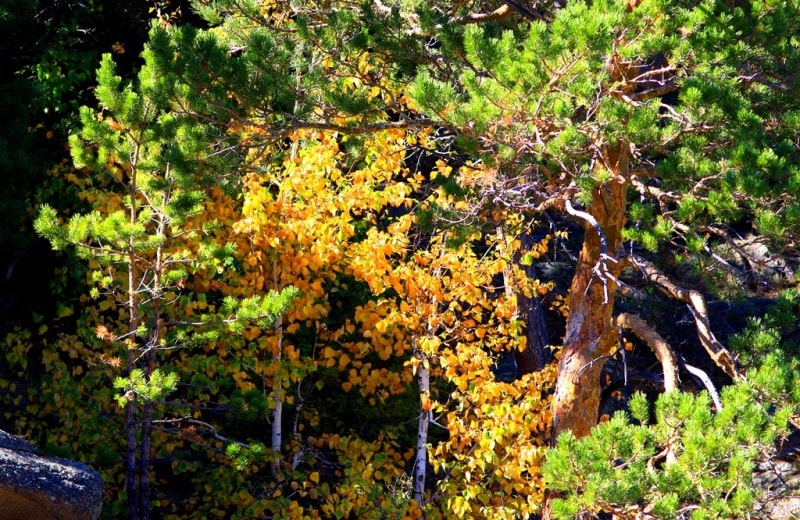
(702,376)
(600,270)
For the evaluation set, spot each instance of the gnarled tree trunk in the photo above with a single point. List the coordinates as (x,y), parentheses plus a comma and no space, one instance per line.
(590,330)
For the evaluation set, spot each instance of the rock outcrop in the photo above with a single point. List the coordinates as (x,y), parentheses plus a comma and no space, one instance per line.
(33,486)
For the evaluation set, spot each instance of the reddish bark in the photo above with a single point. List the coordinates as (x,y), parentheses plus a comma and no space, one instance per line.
(590,330)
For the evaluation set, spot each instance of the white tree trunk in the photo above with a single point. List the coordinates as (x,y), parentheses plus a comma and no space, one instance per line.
(277,400)
(421,460)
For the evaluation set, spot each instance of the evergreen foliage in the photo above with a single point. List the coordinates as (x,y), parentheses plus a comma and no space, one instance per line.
(311,229)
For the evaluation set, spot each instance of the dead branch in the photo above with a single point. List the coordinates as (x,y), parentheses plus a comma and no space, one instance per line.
(666,356)
(214,433)
(659,346)
(697,305)
(600,270)
(702,376)
(502,12)
(508,8)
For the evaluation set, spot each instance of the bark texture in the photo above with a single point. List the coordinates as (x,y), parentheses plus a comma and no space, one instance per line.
(590,330)
(536,354)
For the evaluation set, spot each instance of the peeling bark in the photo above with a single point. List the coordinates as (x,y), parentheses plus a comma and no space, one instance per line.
(591,333)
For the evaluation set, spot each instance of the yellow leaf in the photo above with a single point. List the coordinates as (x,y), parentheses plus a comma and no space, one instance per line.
(314,477)
(64,311)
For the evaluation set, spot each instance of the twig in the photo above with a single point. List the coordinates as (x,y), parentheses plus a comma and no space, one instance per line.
(215,434)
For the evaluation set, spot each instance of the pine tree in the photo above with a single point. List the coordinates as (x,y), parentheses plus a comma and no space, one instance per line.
(580,105)
(660,128)
(141,243)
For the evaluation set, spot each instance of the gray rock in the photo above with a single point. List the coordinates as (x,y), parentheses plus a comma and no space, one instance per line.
(779,481)
(33,486)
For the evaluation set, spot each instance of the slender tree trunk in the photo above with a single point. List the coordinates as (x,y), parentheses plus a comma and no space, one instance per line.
(131,473)
(277,400)
(536,354)
(421,459)
(130,460)
(131,442)
(144,462)
(590,330)
(151,360)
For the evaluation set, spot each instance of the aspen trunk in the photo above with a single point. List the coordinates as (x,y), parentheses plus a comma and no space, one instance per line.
(277,401)
(421,459)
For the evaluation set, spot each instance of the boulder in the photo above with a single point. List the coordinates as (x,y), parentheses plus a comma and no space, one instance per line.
(45,488)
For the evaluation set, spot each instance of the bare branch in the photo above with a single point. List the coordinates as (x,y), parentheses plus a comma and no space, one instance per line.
(697,304)
(600,270)
(659,346)
(214,433)
(702,376)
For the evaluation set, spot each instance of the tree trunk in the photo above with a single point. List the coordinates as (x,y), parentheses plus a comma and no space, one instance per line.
(277,400)
(131,485)
(590,332)
(144,462)
(131,467)
(536,354)
(421,459)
